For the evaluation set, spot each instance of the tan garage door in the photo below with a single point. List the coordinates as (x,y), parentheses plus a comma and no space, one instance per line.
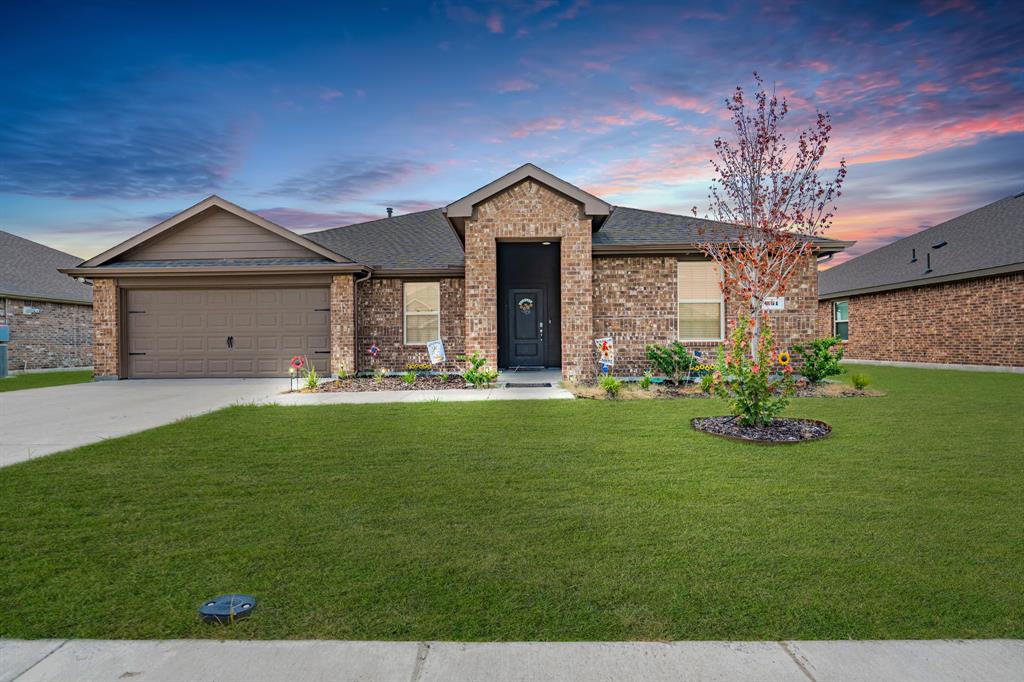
(225,332)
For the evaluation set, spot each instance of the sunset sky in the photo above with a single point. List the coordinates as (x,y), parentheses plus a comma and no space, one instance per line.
(113,117)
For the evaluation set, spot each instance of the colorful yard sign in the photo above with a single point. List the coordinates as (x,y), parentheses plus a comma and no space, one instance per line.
(605,350)
(435,349)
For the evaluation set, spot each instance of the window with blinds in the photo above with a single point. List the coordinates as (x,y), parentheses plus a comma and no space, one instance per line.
(701,306)
(422,305)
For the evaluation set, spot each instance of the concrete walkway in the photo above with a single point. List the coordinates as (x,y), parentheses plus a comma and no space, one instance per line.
(184,660)
(40,421)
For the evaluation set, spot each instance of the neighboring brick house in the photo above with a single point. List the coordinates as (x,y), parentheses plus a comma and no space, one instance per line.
(527,270)
(950,294)
(48,315)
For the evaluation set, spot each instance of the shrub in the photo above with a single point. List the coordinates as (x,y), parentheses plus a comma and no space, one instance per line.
(379,374)
(755,393)
(342,373)
(409,378)
(673,361)
(821,358)
(476,374)
(860,381)
(611,386)
(707,383)
(443,377)
(312,378)
(645,382)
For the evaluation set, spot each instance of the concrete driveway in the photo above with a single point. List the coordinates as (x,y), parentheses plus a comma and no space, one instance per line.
(40,421)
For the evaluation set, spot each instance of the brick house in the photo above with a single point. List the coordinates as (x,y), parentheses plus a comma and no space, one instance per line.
(950,294)
(527,270)
(48,316)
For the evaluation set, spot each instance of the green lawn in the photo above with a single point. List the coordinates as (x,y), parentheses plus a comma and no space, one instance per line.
(583,520)
(43,379)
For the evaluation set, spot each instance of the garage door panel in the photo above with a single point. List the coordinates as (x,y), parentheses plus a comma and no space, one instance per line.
(184,333)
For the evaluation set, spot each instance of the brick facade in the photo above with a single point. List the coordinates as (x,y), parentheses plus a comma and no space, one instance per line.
(59,335)
(106,339)
(529,211)
(381,322)
(343,332)
(635,303)
(970,322)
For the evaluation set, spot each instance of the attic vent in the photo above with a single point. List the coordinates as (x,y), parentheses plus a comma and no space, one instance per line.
(913,255)
(940,244)
(928,264)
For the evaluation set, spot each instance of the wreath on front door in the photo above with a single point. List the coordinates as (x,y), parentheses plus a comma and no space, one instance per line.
(526,305)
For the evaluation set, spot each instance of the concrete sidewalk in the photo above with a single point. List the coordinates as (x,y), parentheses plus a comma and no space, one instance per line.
(183,660)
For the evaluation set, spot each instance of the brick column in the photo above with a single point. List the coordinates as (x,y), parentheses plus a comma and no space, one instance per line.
(106,337)
(577,304)
(343,323)
(481,316)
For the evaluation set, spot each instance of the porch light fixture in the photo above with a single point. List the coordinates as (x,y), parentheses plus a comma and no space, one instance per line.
(545,243)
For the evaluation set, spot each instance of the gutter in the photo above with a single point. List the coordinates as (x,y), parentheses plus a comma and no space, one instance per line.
(340,268)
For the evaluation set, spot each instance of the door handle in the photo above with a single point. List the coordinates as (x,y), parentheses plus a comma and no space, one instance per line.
(231,342)
(541,323)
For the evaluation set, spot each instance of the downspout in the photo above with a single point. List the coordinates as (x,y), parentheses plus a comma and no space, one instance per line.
(355,313)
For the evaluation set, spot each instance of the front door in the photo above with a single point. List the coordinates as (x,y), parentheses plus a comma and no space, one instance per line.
(526,316)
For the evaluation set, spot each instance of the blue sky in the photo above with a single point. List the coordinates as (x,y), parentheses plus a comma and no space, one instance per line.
(114,116)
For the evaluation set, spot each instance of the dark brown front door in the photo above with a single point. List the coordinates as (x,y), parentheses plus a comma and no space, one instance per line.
(526,317)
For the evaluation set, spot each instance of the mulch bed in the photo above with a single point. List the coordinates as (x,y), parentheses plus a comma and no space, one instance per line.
(365,384)
(779,431)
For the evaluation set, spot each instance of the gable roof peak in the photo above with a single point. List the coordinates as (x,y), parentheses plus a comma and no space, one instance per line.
(592,205)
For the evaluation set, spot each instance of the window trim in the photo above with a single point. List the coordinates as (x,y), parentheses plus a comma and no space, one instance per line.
(720,301)
(835,320)
(406,314)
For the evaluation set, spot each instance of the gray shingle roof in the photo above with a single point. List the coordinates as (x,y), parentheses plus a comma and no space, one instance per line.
(413,240)
(216,263)
(638,227)
(989,237)
(29,269)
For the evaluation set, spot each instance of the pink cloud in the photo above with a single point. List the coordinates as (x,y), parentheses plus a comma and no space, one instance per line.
(818,65)
(873,143)
(516,85)
(494,22)
(539,125)
(932,88)
(677,100)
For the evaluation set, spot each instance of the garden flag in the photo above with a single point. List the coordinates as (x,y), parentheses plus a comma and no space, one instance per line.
(435,350)
(374,350)
(605,351)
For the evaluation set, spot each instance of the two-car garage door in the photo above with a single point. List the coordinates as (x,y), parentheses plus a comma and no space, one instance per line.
(225,332)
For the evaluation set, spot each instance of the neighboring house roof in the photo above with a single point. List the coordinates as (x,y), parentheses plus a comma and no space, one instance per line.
(988,240)
(29,269)
(422,240)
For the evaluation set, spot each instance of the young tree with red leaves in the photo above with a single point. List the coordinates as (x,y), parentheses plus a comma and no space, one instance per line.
(772,202)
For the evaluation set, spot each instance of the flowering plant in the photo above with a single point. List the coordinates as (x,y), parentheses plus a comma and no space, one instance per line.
(755,391)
